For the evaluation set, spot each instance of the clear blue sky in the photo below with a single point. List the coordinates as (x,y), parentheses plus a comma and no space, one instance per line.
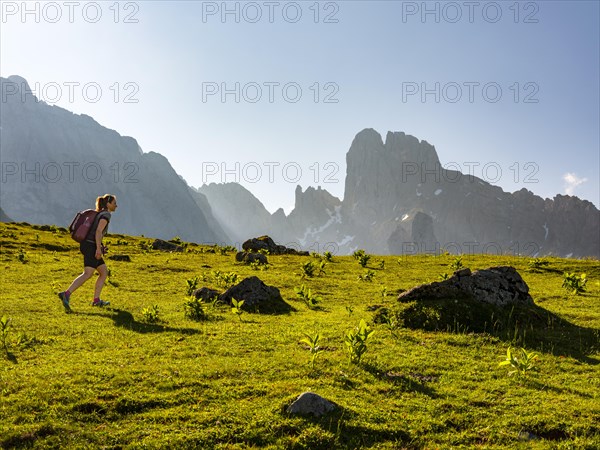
(370,59)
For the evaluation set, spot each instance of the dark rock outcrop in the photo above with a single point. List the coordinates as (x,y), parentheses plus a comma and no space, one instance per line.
(266,243)
(166,246)
(257,296)
(249,258)
(491,300)
(124,258)
(205,294)
(499,286)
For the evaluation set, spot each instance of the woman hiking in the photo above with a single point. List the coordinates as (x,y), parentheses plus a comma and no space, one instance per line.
(92,250)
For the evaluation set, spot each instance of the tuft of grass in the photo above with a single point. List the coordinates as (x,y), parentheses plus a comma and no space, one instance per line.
(194,309)
(520,360)
(575,284)
(192,284)
(236,308)
(456,264)
(312,340)
(5,327)
(310,300)
(356,341)
(150,314)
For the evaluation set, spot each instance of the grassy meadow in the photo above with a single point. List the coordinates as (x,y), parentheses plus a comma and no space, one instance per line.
(128,376)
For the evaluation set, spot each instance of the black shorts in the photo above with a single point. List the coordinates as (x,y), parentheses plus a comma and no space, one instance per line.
(88,250)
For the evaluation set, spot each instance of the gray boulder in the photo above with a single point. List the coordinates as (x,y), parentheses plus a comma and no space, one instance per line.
(257,296)
(248,258)
(166,246)
(266,243)
(310,403)
(205,294)
(499,286)
(125,258)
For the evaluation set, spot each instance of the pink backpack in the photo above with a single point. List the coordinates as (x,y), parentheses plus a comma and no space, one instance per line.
(82,223)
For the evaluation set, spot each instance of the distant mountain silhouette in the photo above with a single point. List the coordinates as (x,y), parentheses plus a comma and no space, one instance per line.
(4,217)
(56,163)
(389,184)
(398,198)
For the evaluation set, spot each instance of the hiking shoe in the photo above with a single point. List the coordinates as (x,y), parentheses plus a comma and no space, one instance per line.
(100,303)
(65,301)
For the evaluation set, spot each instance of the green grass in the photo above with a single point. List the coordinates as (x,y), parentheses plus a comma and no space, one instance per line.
(107,378)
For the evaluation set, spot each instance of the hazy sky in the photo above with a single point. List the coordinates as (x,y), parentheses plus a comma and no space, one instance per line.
(271,94)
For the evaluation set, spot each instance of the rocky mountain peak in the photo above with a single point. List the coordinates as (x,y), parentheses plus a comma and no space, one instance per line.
(409,149)
(312,205)
(71,159)
(20,83)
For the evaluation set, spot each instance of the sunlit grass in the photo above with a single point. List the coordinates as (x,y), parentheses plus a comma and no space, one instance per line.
(111,378)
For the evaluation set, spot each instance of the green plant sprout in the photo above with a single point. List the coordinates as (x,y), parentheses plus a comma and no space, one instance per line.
(356,341)
(520,360)
(5,326)
(150,314)
(194,309)
(307,296)
(192,284)
(573,283)
(308,269)
(236,308)
(313,345)
(457,264)
(367,276)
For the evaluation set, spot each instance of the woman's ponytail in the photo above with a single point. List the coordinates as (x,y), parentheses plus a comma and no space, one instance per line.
(102,201)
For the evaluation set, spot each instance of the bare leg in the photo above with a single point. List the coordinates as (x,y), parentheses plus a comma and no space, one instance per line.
(86,275)
(103,271)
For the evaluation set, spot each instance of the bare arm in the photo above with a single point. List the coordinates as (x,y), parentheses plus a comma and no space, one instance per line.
(99,234)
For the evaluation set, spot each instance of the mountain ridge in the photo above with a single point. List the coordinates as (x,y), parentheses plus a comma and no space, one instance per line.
(56,162)
(397,197)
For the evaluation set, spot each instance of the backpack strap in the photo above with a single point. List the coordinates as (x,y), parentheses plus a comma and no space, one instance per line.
(91,237)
